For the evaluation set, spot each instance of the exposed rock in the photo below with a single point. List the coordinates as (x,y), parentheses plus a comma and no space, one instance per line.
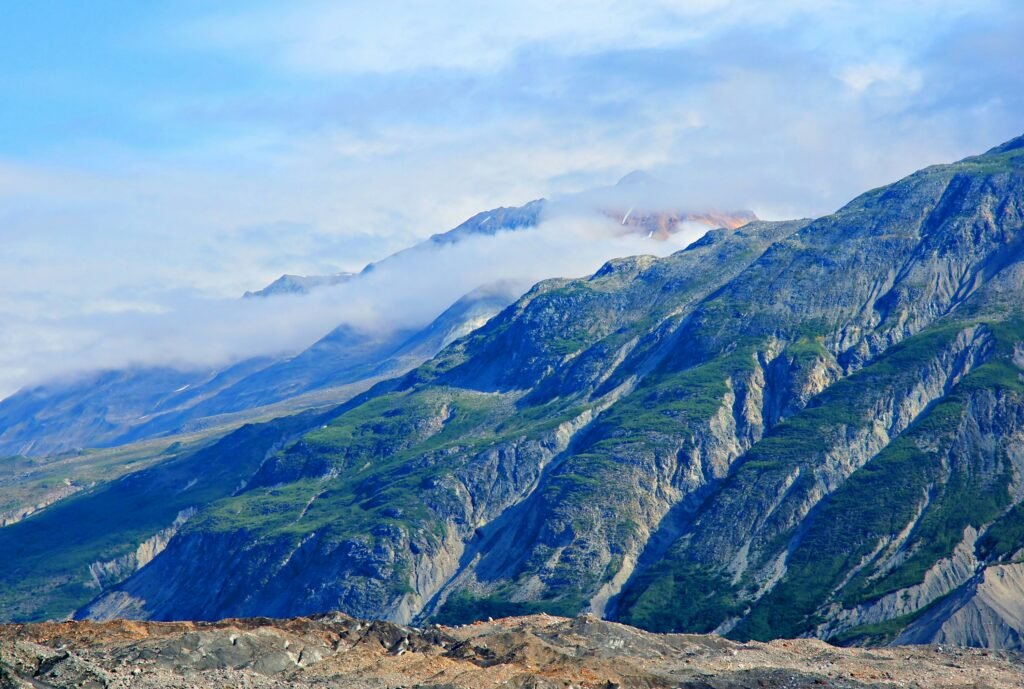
(943,577)
(987,612)
(786,429)
(67,489)
(110,572)
(537,652)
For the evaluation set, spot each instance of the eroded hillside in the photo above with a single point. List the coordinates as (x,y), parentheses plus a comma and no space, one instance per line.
(810,428)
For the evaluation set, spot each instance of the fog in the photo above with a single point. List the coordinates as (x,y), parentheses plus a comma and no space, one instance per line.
(406,291)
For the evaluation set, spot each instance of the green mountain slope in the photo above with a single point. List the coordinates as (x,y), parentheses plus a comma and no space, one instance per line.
(802,428)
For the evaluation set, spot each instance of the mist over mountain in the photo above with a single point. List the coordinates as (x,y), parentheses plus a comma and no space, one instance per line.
(527,345)
(306,341)
(798,428)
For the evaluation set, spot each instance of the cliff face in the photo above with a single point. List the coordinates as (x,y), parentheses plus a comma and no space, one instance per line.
(808,428)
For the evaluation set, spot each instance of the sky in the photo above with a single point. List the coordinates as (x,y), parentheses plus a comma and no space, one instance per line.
(158,159)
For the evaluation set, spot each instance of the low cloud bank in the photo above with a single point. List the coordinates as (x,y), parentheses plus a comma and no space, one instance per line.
(407,291)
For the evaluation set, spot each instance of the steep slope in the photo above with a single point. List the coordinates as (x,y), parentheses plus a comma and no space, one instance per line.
(807,428)
(693,472)
(717,422)
(390,467)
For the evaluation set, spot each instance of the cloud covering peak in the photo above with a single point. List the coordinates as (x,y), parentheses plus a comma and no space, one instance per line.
(161,159)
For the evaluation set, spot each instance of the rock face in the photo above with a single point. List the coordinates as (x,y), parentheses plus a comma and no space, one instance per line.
(808,428)
(56,494)
(106,573)
(536,652)
(988,612)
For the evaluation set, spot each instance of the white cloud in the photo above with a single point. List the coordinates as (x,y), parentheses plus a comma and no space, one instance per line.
(370,127)
(321,37)
(862,77)
(191,332)
(462,34)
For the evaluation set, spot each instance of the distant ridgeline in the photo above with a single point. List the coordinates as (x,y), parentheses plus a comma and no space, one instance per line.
(108,408)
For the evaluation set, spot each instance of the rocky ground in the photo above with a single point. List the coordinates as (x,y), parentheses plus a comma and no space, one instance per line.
(535,652)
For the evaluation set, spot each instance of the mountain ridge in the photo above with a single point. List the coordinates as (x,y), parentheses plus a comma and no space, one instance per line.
(110,407)
(804,428)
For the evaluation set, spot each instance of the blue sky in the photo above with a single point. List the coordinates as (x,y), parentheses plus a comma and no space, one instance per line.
(152,152)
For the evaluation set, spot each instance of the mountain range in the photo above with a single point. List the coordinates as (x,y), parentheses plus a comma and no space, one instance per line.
(801,428)
(111,407)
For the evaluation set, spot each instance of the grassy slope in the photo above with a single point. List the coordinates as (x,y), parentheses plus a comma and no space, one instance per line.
(47,555)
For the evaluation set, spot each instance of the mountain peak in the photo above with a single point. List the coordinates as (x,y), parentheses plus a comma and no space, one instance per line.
(1011,145)
(299,284)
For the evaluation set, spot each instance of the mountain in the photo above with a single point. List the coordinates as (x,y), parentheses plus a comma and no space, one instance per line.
(654,224)
(111,407)
(805,428)
(485,224)
(490,223)
(299,284)
(538,652)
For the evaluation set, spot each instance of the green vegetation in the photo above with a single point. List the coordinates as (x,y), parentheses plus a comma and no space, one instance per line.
(532,418)
(463,608)
(992,163)
(47,555)
(381,453)
(1005,537)
(676,595)
(669,400)
(878,634)
(880,499)
(964,501)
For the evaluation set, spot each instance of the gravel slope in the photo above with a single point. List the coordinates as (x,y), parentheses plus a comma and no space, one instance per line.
(534,652)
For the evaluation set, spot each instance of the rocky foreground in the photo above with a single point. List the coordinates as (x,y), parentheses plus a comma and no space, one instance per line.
(533,652)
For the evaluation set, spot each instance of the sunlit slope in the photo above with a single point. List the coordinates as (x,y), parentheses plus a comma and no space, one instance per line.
(805,428)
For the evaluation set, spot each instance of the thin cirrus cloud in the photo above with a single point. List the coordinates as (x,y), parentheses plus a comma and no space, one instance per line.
(163,159)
